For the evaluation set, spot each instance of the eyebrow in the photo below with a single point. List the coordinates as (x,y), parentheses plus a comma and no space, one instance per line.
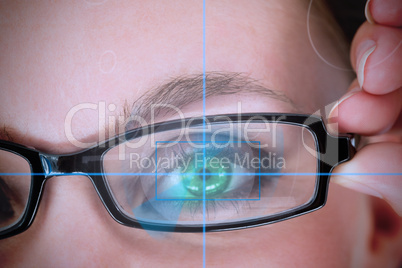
(184,90)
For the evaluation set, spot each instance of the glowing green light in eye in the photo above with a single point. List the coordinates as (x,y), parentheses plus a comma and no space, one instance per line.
(214,184)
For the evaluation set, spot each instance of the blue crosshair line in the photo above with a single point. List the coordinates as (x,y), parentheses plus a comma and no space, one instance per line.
(203,133)
(206,173)
(267,174)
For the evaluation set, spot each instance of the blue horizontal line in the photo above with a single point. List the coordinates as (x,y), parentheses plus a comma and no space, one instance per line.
(200,174)
(217,199)
(207,142)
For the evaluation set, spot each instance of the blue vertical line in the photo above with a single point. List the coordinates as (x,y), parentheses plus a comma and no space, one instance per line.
(203,134)
(156,170)
(259,171)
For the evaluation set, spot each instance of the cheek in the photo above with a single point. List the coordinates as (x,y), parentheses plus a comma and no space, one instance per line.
(326,238)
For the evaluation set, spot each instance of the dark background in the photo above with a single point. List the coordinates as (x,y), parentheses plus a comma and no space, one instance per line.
(349,14)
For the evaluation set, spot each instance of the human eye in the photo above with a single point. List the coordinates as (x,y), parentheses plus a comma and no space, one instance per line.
(15,180)
(228,174)
(180,186)
(14,191)
(6,209)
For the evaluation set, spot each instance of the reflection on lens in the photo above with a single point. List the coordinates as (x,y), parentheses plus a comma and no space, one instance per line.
(246,176)
(15,180)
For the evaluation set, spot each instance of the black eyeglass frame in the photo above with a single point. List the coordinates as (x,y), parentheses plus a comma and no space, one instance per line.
(89,162)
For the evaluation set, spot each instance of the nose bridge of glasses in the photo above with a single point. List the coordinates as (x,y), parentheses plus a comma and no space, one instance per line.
(65,165)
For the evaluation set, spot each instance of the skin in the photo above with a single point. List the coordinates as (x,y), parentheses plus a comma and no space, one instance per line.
(49,65)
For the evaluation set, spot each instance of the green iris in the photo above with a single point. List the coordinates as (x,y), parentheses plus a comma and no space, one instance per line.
(214,184)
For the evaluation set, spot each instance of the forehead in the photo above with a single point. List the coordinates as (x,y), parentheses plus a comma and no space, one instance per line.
(57,56)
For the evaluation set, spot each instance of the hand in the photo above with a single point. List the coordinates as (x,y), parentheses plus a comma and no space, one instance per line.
(372,106)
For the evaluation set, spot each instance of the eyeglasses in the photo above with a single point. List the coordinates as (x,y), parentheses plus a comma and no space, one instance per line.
(215,173)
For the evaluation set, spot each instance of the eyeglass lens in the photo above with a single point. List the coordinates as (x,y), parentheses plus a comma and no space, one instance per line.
(252,170)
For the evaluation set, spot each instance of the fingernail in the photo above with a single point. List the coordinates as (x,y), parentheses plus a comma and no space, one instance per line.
(360,187)
(364,51)
(349,94)
(367,13)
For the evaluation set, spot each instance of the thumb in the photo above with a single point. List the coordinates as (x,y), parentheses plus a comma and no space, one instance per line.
(376,170)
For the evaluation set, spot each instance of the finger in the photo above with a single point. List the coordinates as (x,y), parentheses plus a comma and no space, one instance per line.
(393,135)
(364,113)
(378,172)
(376,56)
(385,12)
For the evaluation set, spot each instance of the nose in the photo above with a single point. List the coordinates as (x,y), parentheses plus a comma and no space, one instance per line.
(71,227)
